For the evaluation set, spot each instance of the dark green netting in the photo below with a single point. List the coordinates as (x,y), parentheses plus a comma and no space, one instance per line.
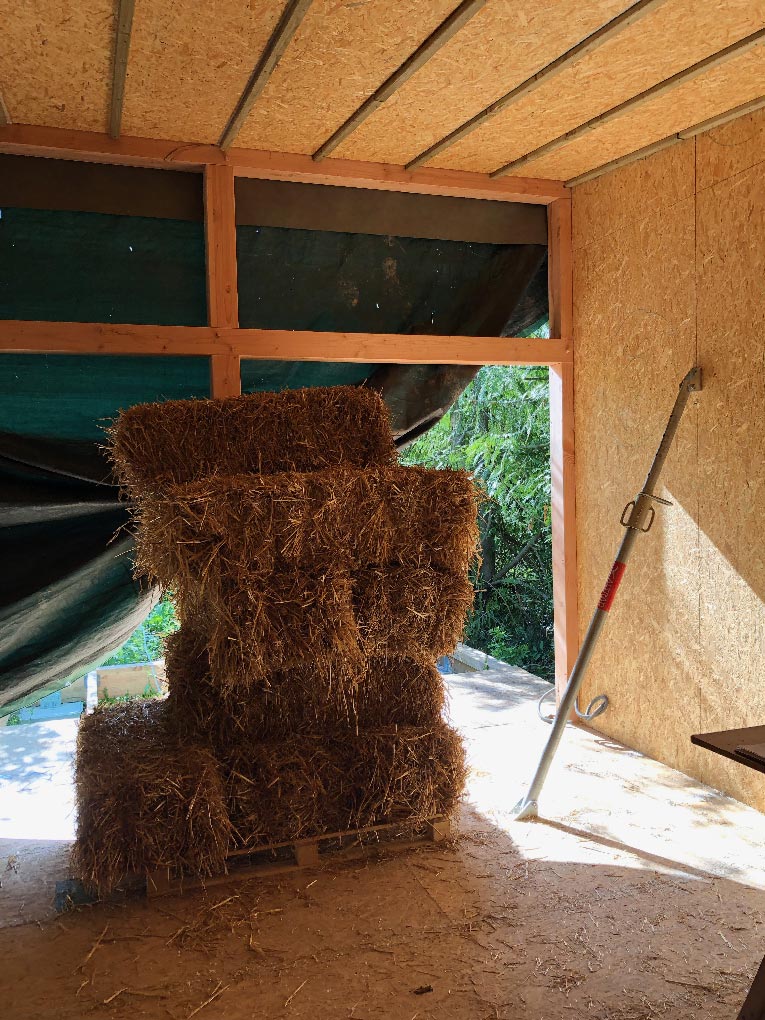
(93,267)
(74,396)
(67,595)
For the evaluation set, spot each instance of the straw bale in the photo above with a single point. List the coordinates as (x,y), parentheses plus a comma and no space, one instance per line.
(228,527)
(415,613)
(381,692)
(328,619)
(144,799)
(153,445)
(305,786)
(279,620)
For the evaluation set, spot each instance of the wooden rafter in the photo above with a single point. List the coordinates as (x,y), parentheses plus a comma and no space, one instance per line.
(445,31)
(662,88)
(90,146)
(280,39)
(663,143)
(546,74)
(119,70)
(278,344)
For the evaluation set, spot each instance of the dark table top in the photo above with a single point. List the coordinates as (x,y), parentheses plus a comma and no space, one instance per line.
(725,742)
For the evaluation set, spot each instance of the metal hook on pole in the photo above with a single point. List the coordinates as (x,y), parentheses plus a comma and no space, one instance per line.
(637,518)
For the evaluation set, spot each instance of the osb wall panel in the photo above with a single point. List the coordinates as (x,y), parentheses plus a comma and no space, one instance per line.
(730,226)
(665,278)
(340,54)
(730,149)
(189,63)
(732,83)
(501,46)
(56,62)
(677,35)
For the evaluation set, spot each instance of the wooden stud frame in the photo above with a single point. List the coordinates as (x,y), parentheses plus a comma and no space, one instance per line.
(226,343)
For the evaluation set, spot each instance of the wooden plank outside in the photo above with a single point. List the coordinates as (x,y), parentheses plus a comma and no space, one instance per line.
(278,345)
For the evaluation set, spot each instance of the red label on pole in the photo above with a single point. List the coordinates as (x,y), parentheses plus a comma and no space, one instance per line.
(612,586)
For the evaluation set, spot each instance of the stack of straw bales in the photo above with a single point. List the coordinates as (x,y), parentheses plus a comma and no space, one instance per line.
(316,582)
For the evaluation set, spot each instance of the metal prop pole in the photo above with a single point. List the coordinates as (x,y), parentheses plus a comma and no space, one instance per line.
(637,517)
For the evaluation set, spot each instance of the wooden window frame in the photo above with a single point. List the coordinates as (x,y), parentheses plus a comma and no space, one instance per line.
(226,343)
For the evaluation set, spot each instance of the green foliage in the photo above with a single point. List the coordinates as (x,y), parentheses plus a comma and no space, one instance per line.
(499,430)
(14,719)
(145,644)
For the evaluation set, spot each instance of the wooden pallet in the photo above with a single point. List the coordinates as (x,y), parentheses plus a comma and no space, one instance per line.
(277,858)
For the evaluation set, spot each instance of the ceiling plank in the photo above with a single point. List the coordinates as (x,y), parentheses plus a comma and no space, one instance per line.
(119,71)
(280,39)
(582,49)
(279,344)
(661,88)
(663,143)
(445,31)
(93,147)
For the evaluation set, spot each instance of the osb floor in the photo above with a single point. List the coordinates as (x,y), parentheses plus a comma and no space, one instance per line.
(641,896)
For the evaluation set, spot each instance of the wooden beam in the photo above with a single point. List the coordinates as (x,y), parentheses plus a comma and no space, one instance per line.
(280,39)
(662,88)
(280,166)
(222,293)
(92,147)
(562,466)
(663,143)
(220,246)
(278,344)
(445,31)
(5,117)
(560,269)
(119,68)
(604,34)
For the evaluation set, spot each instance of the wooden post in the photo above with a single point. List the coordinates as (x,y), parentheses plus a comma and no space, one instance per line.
(563,481)
(222,295)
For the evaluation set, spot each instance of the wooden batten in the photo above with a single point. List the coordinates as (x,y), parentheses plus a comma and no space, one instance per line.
(5,117)
(743,110)
(445,31)
(280,39)
(662,88)
(119,71)
(546,74)
(278,344)
(562,463)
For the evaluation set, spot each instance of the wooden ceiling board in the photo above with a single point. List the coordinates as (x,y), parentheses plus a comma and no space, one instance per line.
(342,52)
(735,82)
(503,45)
(56,62)
(189,63)
(672,38)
